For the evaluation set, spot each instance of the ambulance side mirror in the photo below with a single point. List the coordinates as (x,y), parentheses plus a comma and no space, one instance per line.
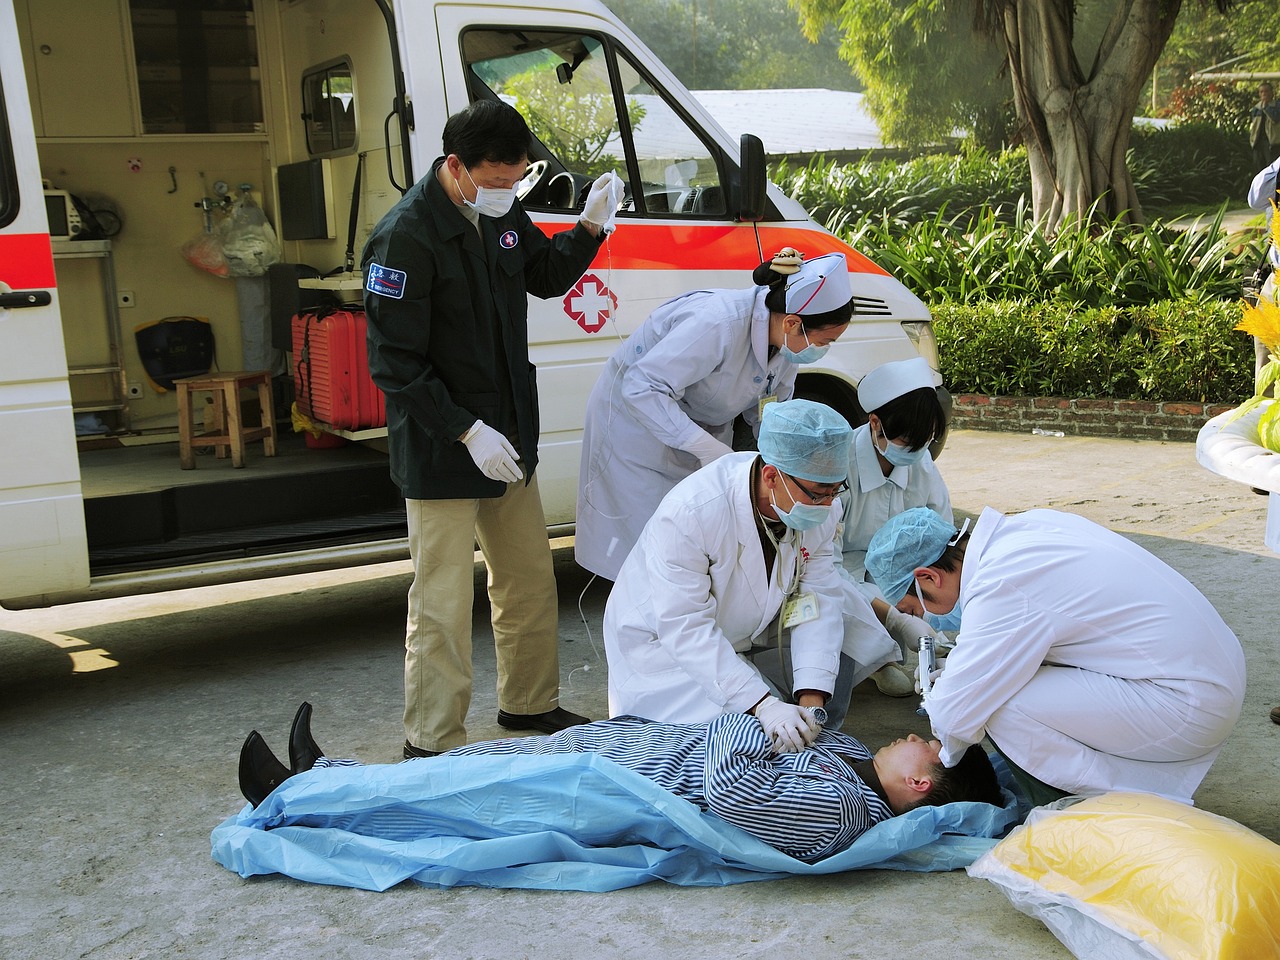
(752,180)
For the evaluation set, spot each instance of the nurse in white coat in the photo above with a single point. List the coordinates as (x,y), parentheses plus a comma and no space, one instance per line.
(723,553)
(1089,663)
(890,471)
(665,403)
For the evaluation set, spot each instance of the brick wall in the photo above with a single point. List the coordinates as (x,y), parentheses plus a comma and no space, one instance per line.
(1136,419)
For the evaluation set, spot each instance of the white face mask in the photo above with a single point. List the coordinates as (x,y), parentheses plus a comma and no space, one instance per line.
(801,516)
(489,201)
(810,354)
(899,456)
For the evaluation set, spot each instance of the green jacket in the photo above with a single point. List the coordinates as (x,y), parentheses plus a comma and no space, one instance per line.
(448,332)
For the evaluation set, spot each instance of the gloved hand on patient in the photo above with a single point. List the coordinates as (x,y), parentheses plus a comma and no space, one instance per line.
(790,728)
(492,453)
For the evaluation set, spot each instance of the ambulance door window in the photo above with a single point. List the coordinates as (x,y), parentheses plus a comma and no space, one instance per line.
(678,172)
(561,85)
(590,112)
(329,108)
(8,172)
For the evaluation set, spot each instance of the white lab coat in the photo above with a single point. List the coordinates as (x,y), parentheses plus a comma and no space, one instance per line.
(694,594)
(875,498)
(1092,664)
(672,388)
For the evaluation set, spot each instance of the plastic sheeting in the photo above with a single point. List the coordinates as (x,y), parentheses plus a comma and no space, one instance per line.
(566,822)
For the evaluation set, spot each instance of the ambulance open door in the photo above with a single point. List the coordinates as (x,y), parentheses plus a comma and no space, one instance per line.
(42,533)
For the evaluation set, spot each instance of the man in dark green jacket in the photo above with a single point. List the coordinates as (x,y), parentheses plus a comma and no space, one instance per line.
(447,272)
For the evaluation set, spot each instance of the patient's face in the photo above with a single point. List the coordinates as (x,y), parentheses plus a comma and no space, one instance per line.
(909,757)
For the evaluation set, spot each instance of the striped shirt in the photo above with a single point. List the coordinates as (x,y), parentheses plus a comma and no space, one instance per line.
(809,805)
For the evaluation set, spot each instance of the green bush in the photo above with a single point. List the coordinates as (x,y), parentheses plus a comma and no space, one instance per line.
(1174,350)
(1190,163)
(990,258)
(905,192)
(1225,105)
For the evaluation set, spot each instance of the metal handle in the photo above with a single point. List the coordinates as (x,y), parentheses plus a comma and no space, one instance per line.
(17,299)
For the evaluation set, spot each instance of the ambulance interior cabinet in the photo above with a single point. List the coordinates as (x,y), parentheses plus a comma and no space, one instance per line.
(75,60)
(197,63)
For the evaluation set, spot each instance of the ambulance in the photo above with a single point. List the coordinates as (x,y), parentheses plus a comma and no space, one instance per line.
(129,128)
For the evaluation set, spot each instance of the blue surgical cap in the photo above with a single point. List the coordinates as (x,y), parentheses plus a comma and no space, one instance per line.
(914,538)
(807,440)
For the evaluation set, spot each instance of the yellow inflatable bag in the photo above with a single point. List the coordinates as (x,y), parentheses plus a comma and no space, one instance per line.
(1131,876)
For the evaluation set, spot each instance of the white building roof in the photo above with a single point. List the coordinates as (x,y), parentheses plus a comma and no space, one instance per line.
(795,121)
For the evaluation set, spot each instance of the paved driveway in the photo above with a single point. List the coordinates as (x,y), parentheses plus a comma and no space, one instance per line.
(120,723)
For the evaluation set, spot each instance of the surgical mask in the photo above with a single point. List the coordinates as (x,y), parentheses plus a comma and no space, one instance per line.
(900,456)
(810,354)
(801,516)
(489,201)
(940,621)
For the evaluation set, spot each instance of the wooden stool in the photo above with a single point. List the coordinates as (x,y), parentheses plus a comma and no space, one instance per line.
(224,430)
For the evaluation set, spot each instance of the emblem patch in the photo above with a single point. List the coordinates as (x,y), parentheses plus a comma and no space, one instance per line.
(385,281)
(509,239)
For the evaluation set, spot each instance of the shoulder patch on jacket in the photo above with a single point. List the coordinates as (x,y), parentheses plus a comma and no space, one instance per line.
(385,281)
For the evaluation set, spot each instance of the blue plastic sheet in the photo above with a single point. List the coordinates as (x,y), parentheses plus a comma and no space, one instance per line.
(564,822)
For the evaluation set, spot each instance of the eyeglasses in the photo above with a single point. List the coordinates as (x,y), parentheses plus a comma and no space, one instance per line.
(821,499)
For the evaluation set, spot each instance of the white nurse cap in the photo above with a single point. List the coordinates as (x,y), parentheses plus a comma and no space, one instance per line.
(889,381)
(820,285)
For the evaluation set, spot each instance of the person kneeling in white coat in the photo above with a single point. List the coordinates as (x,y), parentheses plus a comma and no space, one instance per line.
(1090,664)
(742,543)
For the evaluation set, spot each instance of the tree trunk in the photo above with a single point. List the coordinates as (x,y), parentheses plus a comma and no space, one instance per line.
(1076,124)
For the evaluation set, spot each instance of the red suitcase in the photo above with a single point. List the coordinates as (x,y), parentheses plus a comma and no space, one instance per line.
(331,371)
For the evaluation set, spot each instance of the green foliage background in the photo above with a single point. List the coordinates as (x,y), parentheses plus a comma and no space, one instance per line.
(1116,311)
(1169,350)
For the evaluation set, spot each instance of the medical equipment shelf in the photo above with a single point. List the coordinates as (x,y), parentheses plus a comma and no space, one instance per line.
(113,368)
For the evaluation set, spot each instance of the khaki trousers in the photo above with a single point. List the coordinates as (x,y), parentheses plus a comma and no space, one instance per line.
(512,534)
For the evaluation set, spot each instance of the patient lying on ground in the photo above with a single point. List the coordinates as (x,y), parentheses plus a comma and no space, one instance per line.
(809,805)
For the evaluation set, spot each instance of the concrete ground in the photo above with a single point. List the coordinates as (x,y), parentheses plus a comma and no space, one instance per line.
(120,723)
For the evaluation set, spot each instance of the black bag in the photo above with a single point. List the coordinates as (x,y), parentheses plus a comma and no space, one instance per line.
(173,348)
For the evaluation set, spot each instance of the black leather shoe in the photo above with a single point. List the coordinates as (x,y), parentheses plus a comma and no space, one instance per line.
(411,752)
(303,751)
(260,771)
(550,722)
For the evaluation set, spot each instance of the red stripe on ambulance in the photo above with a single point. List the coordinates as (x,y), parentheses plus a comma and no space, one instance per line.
(703,246)
(26,261)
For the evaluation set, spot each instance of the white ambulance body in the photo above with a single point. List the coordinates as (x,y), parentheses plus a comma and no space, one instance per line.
(349,98)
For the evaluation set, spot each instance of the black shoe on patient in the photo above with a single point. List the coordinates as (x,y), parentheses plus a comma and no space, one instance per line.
(552,721)
(260,771)
(303,750)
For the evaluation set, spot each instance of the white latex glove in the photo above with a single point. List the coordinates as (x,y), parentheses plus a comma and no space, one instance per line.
(492,452)
(603,200)
(906,629)
(933,678)
(789,727)
(708,449)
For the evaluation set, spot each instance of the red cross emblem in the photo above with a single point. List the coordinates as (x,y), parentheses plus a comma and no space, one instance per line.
(589,303)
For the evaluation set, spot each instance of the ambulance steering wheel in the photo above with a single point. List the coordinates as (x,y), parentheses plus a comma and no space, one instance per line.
(533,175)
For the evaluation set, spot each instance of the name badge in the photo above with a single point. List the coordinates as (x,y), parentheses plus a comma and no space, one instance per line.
(802,608)
(767,399)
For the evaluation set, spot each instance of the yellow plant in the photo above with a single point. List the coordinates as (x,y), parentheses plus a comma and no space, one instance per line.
(1263,322)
